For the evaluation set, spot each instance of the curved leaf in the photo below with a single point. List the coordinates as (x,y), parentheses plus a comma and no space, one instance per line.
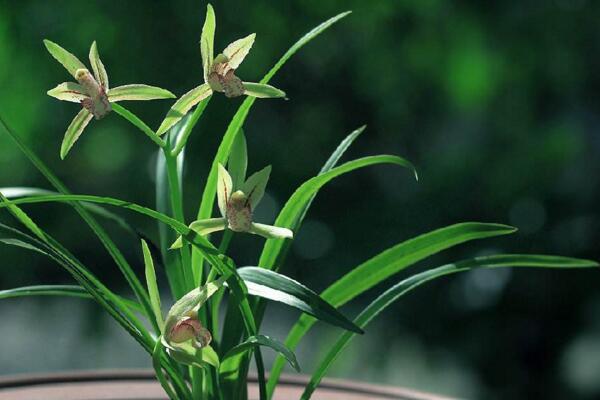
(341,149)
(292,212)
(208,196)
(386,264)
(138,92)
(395,292)
(238,160)
(151,284)
(259,340)
(276,287)
(45,290)
(58,290)
(22,191)
(106,241)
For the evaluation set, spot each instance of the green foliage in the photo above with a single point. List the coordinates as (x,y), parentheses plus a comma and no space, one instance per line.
(218,364)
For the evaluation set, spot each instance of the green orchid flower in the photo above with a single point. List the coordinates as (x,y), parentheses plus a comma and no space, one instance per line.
(219,74)
(93,91)
(184,337)
(237,206)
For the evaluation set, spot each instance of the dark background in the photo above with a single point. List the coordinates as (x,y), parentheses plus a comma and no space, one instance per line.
(495,102)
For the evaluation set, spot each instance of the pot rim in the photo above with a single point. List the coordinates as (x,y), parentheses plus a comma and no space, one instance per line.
(288,380)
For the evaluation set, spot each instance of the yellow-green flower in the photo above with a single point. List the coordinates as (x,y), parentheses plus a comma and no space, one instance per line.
(219,74)
(237,206)
(184,337)
(92,91)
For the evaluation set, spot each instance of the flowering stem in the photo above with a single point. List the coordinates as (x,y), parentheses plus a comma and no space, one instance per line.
(183,138)
(135,120)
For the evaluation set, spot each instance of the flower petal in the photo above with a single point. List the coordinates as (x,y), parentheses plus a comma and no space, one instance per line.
(68,91)
(261,90)
(238,50)
(68,60)
(138,92)
(255,185)
(190,303)
(203,227)
(271,232)
(74,131)
(183,105)
(98,67)
(224,189)
(207,41)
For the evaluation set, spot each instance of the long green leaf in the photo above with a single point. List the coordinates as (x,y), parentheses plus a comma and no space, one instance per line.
(45,290)
(385,265)
(292,212)
(106,241)
(113,304)
(151,284)
(14,192)
(224,265)
(45,244)
(259,340)
(395,292)
(171,260)
(276,287)
(208,196)
(58,290)
(278,253)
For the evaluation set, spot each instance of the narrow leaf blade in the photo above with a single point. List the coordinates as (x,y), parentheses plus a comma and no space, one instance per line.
(276,287)
(395,292)
(259,340)
(152,285)
(292,213)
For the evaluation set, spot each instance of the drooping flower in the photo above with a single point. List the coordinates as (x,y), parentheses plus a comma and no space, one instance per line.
(237,206)
(219,74)
(184,337)
(92,91)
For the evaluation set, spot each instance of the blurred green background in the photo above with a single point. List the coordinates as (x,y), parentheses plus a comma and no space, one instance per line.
(495,102)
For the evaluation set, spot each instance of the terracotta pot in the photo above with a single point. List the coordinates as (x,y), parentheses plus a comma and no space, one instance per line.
(141,385)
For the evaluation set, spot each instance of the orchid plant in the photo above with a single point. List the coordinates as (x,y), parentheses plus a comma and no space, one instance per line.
(194,354)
